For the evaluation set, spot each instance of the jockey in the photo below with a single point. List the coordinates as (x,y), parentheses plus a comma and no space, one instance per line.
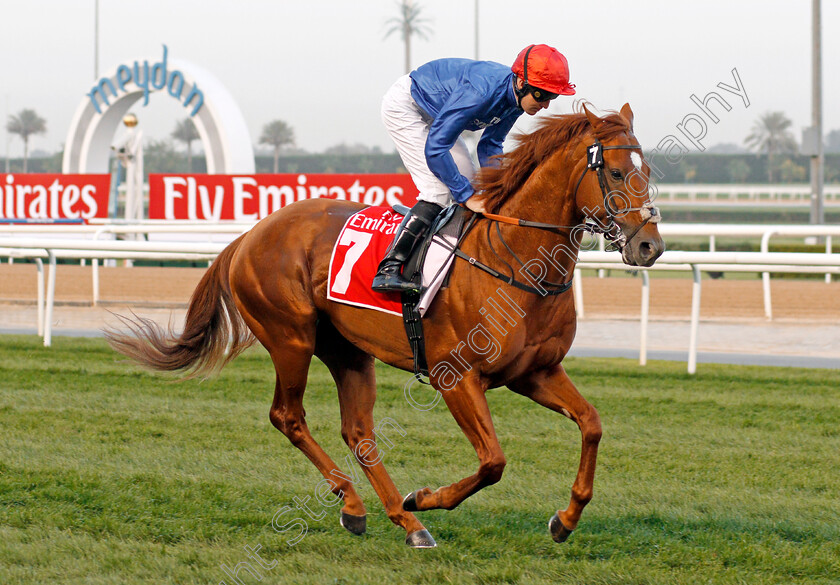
(425,113)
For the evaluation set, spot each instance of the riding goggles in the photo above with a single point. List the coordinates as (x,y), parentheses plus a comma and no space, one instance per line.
(542,95)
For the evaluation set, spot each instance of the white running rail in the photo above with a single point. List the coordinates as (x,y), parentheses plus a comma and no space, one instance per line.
(40,247)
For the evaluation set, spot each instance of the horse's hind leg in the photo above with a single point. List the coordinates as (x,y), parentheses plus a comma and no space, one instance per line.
(287,327)
(288,416)
(554,390)
(273,283)
(354,375)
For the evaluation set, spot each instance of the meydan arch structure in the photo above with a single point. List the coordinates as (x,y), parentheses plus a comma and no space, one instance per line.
(220,124)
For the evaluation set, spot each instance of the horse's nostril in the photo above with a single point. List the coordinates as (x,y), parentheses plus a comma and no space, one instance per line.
(645,249)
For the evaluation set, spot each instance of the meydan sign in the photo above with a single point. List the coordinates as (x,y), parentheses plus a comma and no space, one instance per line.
(156,77)
(220,124)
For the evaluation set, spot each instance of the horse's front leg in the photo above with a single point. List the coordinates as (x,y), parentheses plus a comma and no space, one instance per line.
(553,389)
(468,405)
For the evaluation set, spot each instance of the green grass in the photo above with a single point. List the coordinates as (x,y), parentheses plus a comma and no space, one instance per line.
(112,475)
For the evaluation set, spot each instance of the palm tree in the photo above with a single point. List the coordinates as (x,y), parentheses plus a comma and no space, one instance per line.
(185,132)
(277,134)
(25,124)
(771,134)
(408,24)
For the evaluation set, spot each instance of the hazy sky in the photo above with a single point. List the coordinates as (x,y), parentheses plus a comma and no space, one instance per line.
(323,66)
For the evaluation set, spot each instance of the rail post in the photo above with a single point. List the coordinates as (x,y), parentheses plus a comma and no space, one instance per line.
(765,276)
(577,292)
(644,321)
(695,320)
(50,300)
(40,264)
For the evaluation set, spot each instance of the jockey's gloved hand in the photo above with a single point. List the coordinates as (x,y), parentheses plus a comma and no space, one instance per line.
(475,204)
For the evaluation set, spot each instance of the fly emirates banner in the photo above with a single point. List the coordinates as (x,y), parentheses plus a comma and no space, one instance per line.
(45,197)
(253,197)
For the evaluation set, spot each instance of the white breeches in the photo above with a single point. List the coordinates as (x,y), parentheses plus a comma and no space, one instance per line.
(408,126)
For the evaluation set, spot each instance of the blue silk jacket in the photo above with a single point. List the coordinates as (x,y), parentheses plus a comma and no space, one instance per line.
(461,94)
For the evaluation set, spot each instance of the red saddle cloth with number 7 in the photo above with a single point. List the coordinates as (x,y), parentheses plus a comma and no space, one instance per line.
(360,247)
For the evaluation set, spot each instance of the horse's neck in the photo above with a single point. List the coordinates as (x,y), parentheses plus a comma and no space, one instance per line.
(548,197)
(548,194)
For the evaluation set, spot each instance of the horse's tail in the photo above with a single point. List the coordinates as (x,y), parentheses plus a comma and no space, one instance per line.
(214,332)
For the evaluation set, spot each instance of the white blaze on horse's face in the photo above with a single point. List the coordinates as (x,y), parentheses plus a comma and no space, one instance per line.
(637,160)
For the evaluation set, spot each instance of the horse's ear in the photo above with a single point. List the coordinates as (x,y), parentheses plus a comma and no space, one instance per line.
(628,114)
(594,120)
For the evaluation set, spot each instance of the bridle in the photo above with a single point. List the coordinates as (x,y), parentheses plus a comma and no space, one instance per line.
(611,231)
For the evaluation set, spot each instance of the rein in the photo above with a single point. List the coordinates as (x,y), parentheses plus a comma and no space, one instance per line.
(556,288)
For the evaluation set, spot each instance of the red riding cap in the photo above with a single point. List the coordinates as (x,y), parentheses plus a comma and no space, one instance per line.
(544,67)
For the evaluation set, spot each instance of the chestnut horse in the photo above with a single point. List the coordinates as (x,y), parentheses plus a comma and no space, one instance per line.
(272,282)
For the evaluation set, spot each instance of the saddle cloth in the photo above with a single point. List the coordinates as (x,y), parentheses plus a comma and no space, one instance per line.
(363,242)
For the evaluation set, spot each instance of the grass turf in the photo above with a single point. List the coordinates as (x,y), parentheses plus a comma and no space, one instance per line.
(112,475)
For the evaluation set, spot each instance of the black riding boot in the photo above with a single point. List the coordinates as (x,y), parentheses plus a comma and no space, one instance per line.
(415,225)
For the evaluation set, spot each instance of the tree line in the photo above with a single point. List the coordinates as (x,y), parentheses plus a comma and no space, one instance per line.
(774,159)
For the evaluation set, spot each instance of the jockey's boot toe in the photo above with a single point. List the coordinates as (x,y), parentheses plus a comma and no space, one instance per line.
(389,279)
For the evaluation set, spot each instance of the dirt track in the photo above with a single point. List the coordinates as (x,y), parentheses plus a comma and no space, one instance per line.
(728,299)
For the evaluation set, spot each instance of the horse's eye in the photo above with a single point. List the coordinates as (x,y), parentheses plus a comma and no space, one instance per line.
(616,174)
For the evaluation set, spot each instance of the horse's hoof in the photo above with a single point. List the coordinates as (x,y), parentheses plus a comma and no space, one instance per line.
(410,502)
(558,532)
(420,539)
(354,524)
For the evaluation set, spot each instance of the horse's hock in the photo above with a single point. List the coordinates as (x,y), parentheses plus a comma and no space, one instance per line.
(618,296)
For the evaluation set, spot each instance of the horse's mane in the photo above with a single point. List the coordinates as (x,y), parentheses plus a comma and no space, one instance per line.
(494,184)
